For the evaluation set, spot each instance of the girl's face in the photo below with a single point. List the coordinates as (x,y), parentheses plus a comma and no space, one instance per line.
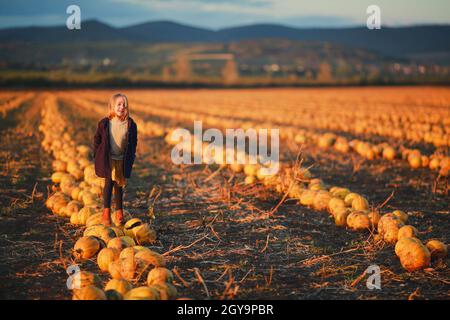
(120,107)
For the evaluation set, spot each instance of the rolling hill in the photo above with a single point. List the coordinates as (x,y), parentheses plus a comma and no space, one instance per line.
(399,41)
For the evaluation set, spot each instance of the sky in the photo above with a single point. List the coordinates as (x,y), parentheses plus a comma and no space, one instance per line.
(216,14)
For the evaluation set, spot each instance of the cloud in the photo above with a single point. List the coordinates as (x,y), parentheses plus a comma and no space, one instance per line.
(220,6)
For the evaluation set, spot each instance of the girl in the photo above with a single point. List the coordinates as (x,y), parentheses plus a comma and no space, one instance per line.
(114,151)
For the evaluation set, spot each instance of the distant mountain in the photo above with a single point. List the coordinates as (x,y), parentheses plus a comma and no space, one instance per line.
(401,41)
(166,31)
(91,30)
(389,41)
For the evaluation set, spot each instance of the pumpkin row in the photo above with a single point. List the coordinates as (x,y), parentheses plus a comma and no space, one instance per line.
(370,151)
(352,210)
(418,123)
(12,103)
(349,209)
(414,157)
(119,249)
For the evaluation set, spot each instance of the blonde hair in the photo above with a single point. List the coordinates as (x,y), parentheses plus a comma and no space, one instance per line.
(112,102)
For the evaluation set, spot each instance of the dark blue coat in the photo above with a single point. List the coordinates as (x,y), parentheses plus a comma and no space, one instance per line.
(102,149)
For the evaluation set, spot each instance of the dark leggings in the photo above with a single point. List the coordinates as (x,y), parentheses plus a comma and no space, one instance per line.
(107,192)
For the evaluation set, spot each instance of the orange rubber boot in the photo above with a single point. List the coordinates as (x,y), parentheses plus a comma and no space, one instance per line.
(120,216)
(106,218)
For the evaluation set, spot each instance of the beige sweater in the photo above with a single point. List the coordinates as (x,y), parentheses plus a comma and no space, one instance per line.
(117,137)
